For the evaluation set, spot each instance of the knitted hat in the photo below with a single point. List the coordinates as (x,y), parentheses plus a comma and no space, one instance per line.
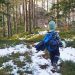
(52,25)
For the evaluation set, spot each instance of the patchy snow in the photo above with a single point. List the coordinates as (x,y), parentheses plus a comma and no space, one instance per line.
(21,58)
(14,67)
(67,54)
(68,39)
(21,38)
(42,32)
(37,59)
(18,48)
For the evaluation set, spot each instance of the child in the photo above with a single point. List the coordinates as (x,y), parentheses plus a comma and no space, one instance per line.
(51,42)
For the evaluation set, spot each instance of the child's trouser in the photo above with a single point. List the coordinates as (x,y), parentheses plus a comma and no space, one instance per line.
(54,56)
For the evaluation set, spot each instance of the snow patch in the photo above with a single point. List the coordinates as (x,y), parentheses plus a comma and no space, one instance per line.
(37,59)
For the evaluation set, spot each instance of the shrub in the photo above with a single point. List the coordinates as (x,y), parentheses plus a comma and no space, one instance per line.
(68,34)
(71,43)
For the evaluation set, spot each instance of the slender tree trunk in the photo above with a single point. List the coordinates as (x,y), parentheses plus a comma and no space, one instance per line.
(57,12)
(3,20)
(33,13)
(10,26)
(30,16)
(42,8)
(73,14)
(36,14)
(24,15)
(47,5)
(9,21)
(14,16)
(16,20)
(69,19)
(20,14)
(44,4)
(3,24)
(57,8)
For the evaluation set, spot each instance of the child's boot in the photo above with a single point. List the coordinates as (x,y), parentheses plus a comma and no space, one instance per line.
(55,68)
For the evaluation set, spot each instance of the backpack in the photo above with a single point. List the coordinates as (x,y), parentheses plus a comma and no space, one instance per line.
(52,41)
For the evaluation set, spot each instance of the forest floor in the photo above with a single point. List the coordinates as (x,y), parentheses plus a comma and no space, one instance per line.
(23,59)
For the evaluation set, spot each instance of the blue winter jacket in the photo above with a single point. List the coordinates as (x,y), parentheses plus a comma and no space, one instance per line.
(50,42)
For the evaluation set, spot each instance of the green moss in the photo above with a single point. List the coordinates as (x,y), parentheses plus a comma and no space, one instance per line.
(68,34)
(27,57)
(19,63)
(8,68)
(4,59)
(24,34)
(6,71)
(31,38)
(7,43)
(36,38)
(14,56)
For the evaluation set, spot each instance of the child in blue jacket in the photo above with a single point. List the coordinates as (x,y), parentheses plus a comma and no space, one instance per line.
(51,42)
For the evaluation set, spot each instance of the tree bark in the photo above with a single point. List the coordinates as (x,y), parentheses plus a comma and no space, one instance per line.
(16,21)
(9,22)
(33,13)
(30,16)
(13,15)
(3,24)
(47,5)
(24,15)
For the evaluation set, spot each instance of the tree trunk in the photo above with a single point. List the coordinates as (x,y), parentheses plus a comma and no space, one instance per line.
(3,26)
(13,15)
(9,22)
(20,14)
(16,21)
(30,16)
(36,14)
(26,20)
(57,12)
(24,15)
(47,5)
(33,13)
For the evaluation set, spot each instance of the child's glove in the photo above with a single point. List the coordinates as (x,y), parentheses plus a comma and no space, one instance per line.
(40,46)
(63,44)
